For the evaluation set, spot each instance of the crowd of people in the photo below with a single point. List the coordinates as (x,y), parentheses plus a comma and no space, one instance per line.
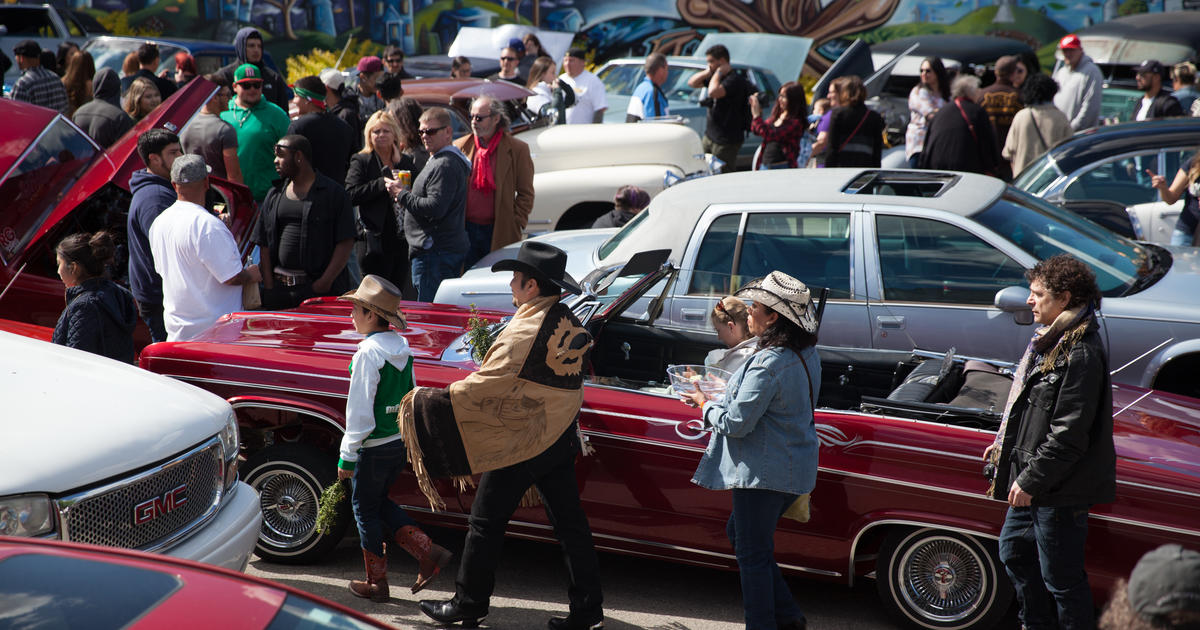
(367,175)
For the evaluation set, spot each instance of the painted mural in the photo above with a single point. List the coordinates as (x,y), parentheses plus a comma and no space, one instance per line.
(615,28)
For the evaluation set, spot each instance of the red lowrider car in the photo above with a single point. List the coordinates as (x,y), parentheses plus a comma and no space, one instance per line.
(52,584)
(899,496)
(55,181)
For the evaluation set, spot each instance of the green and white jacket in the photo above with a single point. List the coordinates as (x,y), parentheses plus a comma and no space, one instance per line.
(381,373)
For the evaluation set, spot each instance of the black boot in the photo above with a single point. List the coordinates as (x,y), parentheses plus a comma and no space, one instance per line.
(568,623)
(451,612)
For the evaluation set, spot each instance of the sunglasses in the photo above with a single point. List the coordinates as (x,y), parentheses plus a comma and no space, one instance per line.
(430,131)
(281,150)
(393,60)
(251,85)
(480,117)
(509,59)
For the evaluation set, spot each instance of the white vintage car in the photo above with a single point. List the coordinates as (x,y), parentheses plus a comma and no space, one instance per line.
(100,452)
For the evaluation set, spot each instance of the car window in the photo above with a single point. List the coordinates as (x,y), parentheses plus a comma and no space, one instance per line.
(35,185)
(676,86)
(1038,176)
(813,248)
(714,261)
(1044,230)
(31,22)
(925,260)
(35,587)
(621,79)
(615,240)
(1123,180)
(302,614)
(1175,160)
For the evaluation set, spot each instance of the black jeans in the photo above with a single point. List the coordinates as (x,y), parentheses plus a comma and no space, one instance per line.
(499,493)
(152,314)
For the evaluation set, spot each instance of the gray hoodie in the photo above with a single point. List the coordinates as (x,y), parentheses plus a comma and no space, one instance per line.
(1079,93)
(102,118)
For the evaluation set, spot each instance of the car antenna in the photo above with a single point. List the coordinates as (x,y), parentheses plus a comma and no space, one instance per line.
(14,279)
(1135,360)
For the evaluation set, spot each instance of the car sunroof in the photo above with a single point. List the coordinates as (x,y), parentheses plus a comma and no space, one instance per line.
(901,183)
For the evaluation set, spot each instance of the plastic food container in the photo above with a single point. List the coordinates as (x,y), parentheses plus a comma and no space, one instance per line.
(710,380)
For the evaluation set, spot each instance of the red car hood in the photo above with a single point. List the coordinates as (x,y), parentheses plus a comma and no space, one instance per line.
(323,325)
(24,329)
(122,158)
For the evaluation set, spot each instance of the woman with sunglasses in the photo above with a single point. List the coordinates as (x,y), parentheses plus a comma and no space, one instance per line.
(925,99)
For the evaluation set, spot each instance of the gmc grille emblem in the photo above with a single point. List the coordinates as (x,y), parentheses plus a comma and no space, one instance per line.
(153,508)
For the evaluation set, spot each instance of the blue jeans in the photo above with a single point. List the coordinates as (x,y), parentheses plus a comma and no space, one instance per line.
(1042,551)
(430,268)
(767,601)
(480,237)
(376,516)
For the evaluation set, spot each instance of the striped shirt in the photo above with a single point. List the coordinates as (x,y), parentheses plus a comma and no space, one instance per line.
(41,87)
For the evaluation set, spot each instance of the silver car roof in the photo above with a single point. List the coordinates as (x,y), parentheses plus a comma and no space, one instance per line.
(674,212)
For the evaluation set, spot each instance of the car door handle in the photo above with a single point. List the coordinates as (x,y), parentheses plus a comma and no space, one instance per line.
(692,314)
(894,322)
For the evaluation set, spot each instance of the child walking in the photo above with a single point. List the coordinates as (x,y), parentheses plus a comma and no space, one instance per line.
(372,453)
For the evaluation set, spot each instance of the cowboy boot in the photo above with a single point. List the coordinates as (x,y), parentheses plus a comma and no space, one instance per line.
(430,556)
(375,587)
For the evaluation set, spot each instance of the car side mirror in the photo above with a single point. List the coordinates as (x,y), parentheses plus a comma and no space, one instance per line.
(1012,300)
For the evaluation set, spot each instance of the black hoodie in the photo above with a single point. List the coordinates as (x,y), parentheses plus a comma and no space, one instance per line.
(275,89)
(99,318)
(102,117)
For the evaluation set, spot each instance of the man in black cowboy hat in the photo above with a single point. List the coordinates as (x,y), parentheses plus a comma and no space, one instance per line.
(514,421)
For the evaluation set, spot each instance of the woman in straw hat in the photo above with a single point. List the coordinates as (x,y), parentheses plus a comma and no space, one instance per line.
(764,443)
(372,452)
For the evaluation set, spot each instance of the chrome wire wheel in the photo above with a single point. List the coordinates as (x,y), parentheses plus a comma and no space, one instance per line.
(289,508)
(935,579)
(942,579)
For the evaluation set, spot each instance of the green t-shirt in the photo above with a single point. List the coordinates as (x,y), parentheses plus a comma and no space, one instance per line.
(258,129)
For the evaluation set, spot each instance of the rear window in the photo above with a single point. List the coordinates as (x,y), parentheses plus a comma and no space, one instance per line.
(32,22)
(45,591)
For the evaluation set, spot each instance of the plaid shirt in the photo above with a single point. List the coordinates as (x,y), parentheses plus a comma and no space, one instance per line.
(41,87)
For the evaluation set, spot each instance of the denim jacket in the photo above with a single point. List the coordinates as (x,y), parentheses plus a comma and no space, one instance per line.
(763,431)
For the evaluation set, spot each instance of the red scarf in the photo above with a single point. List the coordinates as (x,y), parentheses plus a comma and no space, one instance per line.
(483,177)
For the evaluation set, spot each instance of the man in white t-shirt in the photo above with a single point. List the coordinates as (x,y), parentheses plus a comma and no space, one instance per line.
(590,99)
(194,252)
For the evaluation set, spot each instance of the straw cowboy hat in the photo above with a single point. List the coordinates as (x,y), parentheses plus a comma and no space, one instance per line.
(380,296)
(784,295)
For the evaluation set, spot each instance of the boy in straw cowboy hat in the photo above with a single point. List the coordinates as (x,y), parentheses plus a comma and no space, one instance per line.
(372,453)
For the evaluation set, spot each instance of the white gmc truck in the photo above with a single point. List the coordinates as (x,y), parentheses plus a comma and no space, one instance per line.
(97,451)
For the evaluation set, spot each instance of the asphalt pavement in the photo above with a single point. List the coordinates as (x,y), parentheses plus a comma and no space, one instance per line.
(531,587)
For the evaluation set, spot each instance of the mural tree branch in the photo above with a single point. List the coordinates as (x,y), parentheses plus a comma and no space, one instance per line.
(285,7)
(805,18)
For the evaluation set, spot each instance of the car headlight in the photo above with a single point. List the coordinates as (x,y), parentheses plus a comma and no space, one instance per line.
(230,443)
(26,515)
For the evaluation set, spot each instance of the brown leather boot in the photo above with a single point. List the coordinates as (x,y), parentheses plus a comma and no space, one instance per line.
(432,557)
(375,587)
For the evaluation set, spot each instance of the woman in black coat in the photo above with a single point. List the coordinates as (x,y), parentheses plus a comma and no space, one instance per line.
(100,315)
(961,136)
(371,184)
(855,132)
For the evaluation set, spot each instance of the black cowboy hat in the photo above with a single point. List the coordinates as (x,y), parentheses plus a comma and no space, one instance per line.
(543,261)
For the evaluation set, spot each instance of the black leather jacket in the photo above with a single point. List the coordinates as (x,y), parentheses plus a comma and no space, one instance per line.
(1058,444)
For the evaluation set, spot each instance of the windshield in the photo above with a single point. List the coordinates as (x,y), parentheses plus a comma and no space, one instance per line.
(111,53)
(615,240)
(39,181)
(1044,230)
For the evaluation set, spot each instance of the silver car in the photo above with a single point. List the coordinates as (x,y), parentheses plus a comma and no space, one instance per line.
(912,259)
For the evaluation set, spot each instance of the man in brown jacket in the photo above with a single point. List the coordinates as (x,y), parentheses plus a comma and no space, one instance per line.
(500,193)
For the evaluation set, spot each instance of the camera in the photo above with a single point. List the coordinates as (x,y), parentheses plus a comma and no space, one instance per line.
(989,471)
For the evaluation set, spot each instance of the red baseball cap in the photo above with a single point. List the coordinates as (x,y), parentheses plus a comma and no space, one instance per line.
(1070,42)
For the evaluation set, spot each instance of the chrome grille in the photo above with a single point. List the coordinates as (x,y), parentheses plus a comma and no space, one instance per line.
(105,516)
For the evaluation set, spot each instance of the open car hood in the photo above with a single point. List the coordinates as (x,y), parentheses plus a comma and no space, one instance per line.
(783,55)
(122,158)
(473,41)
